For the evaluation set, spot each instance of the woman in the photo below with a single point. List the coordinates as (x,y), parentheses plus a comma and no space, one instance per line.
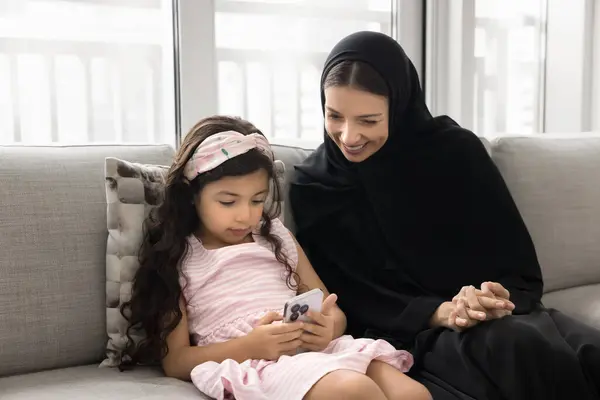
(407,219)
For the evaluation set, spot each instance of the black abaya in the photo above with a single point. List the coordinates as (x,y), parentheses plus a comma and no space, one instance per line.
(541,355)
(401,232)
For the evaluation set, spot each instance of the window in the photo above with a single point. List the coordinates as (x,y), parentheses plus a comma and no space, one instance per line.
(86,71)
(486,60)
(270,54)
(509,64)
(570,67)
(103,71)
(596,74)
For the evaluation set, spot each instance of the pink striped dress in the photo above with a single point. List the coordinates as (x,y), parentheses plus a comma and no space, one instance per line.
(227,291)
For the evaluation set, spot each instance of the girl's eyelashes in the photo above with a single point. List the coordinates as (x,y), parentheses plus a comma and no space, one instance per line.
(230,203)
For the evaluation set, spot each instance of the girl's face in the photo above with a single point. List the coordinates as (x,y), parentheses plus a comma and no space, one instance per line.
(231,208)
(357,121)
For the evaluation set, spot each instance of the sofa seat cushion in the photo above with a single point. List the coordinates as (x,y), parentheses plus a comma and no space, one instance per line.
(90,382)
(582,303)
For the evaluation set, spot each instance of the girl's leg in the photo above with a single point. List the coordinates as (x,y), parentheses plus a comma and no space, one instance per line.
(394,384)
(345,385)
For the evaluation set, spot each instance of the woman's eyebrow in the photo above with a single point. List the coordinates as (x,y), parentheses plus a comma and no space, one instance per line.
(360,116)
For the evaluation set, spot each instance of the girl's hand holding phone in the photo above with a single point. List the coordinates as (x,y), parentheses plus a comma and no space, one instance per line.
(319,333)
(269,341)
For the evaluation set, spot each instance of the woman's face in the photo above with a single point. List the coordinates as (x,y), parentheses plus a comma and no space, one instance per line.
(357,121)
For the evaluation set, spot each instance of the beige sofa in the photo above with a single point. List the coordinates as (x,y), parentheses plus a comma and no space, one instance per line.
(53,246)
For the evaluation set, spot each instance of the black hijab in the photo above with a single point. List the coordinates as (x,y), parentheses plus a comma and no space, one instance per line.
(401,232)
(408,115)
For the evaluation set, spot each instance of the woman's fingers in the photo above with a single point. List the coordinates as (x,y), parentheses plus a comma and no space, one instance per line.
(485,299)
(474,305)
(495,304)
(477,315)
(458,323)
(452,319)
(460,294)
(463,293)
(473,300)
(497,289)
(452,322)
(462,317)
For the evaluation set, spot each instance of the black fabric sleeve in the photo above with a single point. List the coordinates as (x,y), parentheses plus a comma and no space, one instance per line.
(397,313)
(416,316)
(500,239)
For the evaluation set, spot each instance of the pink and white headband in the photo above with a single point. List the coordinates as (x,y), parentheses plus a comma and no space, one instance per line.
(218,148)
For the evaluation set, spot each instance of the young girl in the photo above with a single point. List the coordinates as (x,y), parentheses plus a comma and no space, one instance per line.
(217,266)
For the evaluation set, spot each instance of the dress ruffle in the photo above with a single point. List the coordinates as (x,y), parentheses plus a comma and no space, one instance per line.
(292,377)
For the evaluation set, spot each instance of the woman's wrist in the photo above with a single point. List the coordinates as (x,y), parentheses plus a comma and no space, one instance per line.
(441,315)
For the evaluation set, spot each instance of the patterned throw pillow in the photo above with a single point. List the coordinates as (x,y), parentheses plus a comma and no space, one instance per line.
(132,191)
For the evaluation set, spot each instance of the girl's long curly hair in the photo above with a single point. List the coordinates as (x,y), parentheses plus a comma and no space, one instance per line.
(153,311)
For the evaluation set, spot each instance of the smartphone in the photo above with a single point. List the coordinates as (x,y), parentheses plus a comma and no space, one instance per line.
(296,308)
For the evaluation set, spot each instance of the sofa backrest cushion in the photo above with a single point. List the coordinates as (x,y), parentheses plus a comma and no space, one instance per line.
(555,181)
(53,253)
(290,156)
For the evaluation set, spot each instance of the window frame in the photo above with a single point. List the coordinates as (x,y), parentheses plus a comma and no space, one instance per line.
(569,96)
(196,67)
(569,62)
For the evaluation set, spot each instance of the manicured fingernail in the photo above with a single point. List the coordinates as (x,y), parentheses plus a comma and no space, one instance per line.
(481,315)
